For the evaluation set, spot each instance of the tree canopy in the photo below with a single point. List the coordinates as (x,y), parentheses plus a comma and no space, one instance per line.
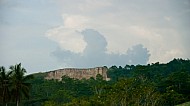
(153,84)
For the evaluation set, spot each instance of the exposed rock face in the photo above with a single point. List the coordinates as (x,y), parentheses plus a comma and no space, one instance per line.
(78,73)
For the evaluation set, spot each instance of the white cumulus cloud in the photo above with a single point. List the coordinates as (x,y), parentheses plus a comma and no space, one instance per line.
(124,24)
(68,35)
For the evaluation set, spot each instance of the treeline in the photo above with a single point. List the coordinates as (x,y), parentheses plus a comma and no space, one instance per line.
(141,85)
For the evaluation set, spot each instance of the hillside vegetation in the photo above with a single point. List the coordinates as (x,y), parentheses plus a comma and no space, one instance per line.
(141,85)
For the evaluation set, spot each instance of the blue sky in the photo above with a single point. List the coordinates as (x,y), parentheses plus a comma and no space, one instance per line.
(48,34)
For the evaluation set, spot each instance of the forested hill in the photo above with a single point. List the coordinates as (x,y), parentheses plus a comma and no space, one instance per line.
(151,85)
(154,71)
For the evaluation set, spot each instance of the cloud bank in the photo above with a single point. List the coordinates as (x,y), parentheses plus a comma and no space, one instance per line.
(162,27)
(95,53)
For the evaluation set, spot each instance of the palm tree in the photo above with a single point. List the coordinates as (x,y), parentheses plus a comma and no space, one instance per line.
(5,84)
(21,86)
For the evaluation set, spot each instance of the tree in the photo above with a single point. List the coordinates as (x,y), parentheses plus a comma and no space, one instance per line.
(5,84)
(20,83)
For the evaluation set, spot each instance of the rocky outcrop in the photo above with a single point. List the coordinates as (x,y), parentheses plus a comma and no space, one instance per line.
(78,73)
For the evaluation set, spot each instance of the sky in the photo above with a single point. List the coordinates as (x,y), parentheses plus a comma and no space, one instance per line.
(45,35)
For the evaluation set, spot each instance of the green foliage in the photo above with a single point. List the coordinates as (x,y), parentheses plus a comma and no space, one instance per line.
(141,85)
(50,103)
(5,80)
(14,85)
(184,104)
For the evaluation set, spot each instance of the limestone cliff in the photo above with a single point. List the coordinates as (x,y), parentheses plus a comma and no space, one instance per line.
(78,73)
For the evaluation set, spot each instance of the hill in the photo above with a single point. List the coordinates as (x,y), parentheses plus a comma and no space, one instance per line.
(151,84)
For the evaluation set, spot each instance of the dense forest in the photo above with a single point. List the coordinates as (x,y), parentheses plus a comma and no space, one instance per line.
(154,84)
